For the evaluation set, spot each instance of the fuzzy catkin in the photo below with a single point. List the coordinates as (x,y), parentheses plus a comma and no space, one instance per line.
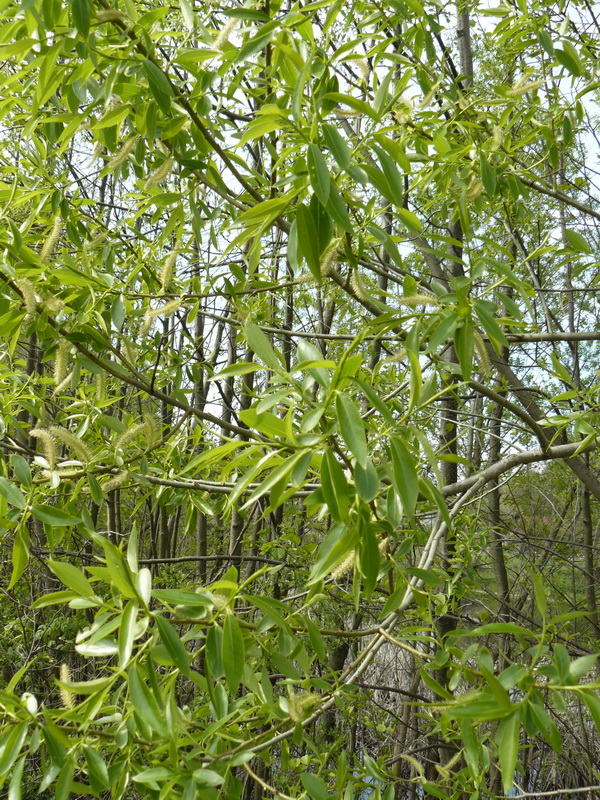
(167,310)
(150,424)
(66,697)
(52,240)
(72,441)
(115,482)
(413,300)
(60,361)
(481,354)
(28,293)
(222,37)
(166,272)
(129,435)
(120,157)
(159,174)
(101,386)
(48,443)
(111,15)
(344,568)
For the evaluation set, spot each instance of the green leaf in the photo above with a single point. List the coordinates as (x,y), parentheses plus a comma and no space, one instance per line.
(144,702)
(488,175)
(337,144)
(318,173)
(406,481)
(51,515)
(97,769)
(262,346)
(72,578)
(367,481)
(334,487)
(21,469)
(159,85)
(507,741)
(233,653)
(174,645)
(577,241)
(207,777)
(14,787)
(315,786)
(569,58)
(334,548)
(127,632)
(82,15)
(11,494)
(352,428)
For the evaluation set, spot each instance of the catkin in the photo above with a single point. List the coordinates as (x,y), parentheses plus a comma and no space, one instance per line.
(66,696)
(72,441)
(166,310)
(413,300)
(116,481)
(120,157)
(130,351)
(522,87)
(96,153)
(150,424)
(481,354)
(357,286)
(129,435)
(300,705)
(29,300)
(159,174)
(166,272)
(329,260)
(344,568)
(48,443)
(362,66)
(52,240)
(101,386)
(111,15)
(60,361)
(222,37)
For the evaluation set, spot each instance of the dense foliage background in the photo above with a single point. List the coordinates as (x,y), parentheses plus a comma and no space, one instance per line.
(299,484)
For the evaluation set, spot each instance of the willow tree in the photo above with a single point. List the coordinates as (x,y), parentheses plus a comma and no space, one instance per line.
(298,310)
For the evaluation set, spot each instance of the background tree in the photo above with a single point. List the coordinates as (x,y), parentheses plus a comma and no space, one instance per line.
(299,480)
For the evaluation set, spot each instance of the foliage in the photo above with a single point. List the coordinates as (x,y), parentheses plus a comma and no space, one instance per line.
(299,483)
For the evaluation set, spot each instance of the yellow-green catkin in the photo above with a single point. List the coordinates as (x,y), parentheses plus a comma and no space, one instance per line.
(166,310)
(116,481)
(129,435)
(126,150)
(101,386)
(357,286)
(60,361)
(96,153)
(52,239)
(72,441)
(159,174)
(329,260)
(414,300)
(521,87)
(344,568)
(301,705)
(151,432)
(48,443)
(66,697)
(111,15)
(222,37)
(130,351)
(481,354)
(166,272)
(29,301)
